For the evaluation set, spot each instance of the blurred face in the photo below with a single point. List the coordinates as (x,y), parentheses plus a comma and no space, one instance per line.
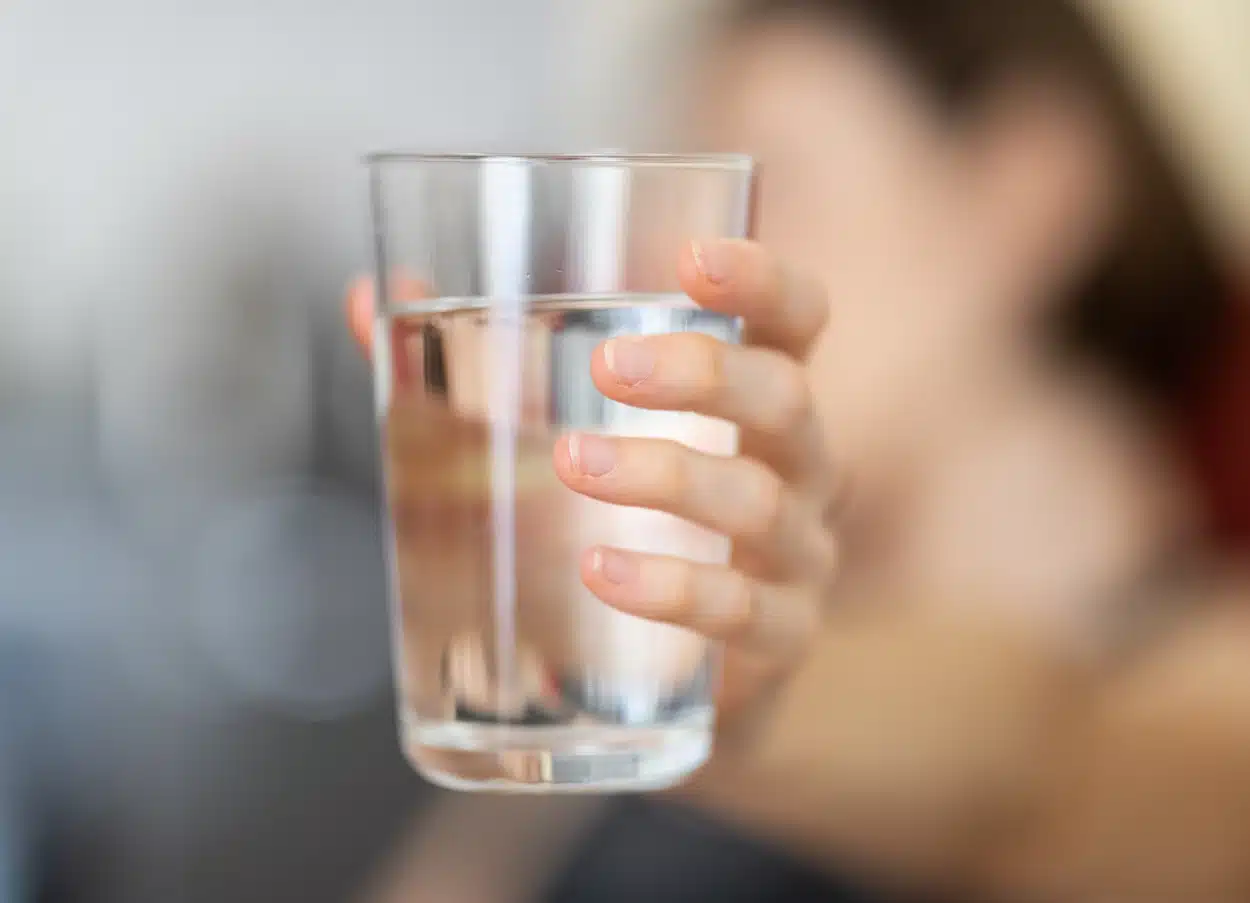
(865,186)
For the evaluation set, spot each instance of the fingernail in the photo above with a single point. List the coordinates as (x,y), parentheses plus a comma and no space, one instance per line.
(591,456)
(615,567)
(711,260)
(630,360)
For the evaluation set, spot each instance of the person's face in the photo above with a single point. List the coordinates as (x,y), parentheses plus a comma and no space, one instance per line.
(863,184)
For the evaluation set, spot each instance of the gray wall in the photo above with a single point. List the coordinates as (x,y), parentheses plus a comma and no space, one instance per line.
(189,553)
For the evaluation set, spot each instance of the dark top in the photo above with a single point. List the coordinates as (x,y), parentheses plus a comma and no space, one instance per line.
(662,853)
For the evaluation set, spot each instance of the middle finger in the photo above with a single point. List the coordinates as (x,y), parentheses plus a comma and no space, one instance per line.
(761,390)
(736,497)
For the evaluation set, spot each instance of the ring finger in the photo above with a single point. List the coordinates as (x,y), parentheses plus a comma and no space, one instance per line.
(737,497)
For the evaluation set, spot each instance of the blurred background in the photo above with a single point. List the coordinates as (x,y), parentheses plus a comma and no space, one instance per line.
(194,665)
(195,698)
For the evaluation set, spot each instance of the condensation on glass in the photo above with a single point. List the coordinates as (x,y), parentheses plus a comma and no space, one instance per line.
(498,277)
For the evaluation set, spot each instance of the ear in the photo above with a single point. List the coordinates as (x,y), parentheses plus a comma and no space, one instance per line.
(1045,167)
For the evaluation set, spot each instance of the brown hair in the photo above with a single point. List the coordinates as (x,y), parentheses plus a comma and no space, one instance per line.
(1152,308)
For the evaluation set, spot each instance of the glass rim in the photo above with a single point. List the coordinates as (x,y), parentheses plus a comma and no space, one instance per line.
(531,301)
(731,162)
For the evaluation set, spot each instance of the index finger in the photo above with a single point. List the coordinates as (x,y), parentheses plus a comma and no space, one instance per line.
(783,308)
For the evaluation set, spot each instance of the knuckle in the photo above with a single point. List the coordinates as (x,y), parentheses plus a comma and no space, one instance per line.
(670,478)
(769,499)
(683,592)
(708,382)
(792,402)
(740,606)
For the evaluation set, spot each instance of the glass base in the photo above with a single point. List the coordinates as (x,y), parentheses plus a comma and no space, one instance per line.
(566,759)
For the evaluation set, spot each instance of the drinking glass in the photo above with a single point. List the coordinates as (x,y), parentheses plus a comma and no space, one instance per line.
(497,278)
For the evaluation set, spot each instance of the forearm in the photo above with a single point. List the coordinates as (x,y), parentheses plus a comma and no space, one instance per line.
(955,754)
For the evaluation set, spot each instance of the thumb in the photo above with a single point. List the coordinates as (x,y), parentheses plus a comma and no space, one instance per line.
(406,349)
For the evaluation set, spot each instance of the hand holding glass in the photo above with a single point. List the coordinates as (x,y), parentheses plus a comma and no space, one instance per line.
(509,290)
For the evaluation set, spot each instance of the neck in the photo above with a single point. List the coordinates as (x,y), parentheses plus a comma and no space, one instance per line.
(959,418)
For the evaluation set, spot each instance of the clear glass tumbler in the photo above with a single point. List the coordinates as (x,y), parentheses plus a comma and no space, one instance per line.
(498,276)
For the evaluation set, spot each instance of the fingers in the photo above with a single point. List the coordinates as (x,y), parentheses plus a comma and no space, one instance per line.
(736,497)
(782,308)
(761,390)
(712,600)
